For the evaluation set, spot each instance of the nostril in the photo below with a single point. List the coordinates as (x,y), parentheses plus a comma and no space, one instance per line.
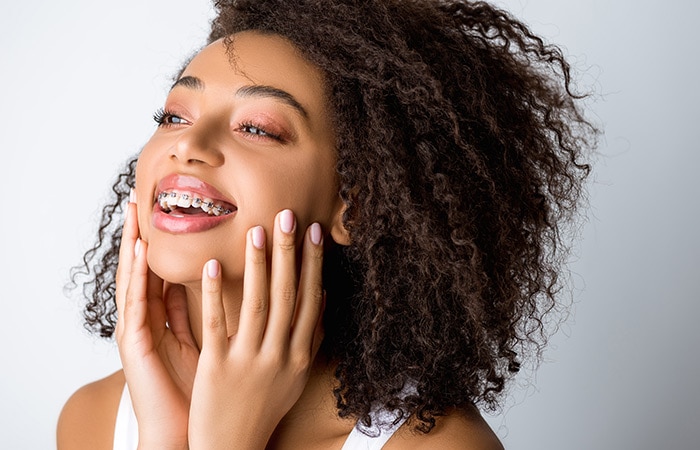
(197,145)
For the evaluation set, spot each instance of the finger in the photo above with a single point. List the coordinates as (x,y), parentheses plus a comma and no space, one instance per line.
(254,307)
(156,305)
(214,331)
(135,304)
(283,280)
(130,233)
(307,331)
(319,331)
(177,313)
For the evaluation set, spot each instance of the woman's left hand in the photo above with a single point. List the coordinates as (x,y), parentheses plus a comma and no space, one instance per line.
(247,382)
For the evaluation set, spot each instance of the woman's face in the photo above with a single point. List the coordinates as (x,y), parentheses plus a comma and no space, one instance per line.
(244,135)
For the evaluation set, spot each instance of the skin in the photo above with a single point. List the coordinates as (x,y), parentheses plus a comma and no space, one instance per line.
(243,300)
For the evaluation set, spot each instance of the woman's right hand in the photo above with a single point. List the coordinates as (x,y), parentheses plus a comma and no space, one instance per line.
(158,351)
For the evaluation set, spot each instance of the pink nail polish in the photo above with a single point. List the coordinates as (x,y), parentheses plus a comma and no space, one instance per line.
(132,196)
(212,268)
(137,247)
(258,235)
(286,221)
(315,233)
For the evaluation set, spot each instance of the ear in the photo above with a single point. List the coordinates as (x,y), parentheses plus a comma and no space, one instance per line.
(338,231)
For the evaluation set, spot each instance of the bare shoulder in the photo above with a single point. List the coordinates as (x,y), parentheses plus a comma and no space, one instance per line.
(462,429)
(87,419)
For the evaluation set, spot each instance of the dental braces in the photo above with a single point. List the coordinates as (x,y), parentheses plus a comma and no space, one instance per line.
(169,201)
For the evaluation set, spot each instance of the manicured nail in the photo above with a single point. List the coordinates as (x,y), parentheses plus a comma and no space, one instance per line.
(315,233)
(287,221)
(213,268)
(137,247)
(132,196)
(258,235)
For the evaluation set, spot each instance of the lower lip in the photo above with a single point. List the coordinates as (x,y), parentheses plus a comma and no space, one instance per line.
(186,224)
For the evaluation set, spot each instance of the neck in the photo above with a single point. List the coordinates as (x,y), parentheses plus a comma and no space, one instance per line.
(313,421)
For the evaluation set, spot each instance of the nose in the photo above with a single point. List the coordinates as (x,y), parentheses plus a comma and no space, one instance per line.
(199,144)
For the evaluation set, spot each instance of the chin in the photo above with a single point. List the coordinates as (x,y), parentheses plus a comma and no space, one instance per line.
(180,259)
(176,267)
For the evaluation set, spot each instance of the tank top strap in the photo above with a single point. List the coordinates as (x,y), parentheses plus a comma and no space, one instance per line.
(374,438)
(384,425)
(126,429)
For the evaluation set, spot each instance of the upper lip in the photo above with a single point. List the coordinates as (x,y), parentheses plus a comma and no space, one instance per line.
(186,183)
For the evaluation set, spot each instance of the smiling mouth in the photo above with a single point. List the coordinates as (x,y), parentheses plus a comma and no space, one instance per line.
(187,203)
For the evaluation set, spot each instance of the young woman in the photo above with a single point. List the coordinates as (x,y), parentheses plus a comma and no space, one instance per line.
(346,232)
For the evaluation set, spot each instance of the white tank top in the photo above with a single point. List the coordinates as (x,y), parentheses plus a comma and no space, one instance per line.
(126,431)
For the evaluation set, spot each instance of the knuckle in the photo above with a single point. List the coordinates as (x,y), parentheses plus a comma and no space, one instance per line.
(300,363)
(129,299)
(175,307)
(316,254)
(215,322)
(257,304)
(316,293)
(211,288)
(274,358)
(258,258)
(288,293)
(286,244)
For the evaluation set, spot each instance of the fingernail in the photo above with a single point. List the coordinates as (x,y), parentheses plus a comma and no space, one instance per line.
(286,221)
(258,235)
(315,233)
(132,196)
(213,268)
(137,247)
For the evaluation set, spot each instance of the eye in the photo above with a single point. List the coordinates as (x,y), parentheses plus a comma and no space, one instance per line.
(258,132)
(165,118)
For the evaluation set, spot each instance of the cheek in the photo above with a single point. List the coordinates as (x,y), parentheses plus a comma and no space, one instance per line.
(146,174)
(316,194)
(280,192)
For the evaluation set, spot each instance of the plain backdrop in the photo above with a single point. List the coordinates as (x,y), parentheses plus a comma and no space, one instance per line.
(80,80)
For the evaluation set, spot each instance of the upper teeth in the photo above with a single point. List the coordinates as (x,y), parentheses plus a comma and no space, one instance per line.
(171,200)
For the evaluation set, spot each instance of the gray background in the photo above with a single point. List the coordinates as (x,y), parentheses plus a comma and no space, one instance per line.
(80,79)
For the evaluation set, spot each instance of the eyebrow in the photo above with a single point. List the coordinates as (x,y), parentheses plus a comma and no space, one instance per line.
(253,90)
(259,90)
(189,82)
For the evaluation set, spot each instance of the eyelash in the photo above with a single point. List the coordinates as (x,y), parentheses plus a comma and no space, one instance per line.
(162,116)
(259,133)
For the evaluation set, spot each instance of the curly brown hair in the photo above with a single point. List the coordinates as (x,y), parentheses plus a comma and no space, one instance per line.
(460,147)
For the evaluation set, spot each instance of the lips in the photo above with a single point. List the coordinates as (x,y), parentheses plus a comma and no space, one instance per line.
(186,204)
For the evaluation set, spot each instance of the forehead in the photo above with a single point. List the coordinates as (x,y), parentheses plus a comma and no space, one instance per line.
(256,58)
